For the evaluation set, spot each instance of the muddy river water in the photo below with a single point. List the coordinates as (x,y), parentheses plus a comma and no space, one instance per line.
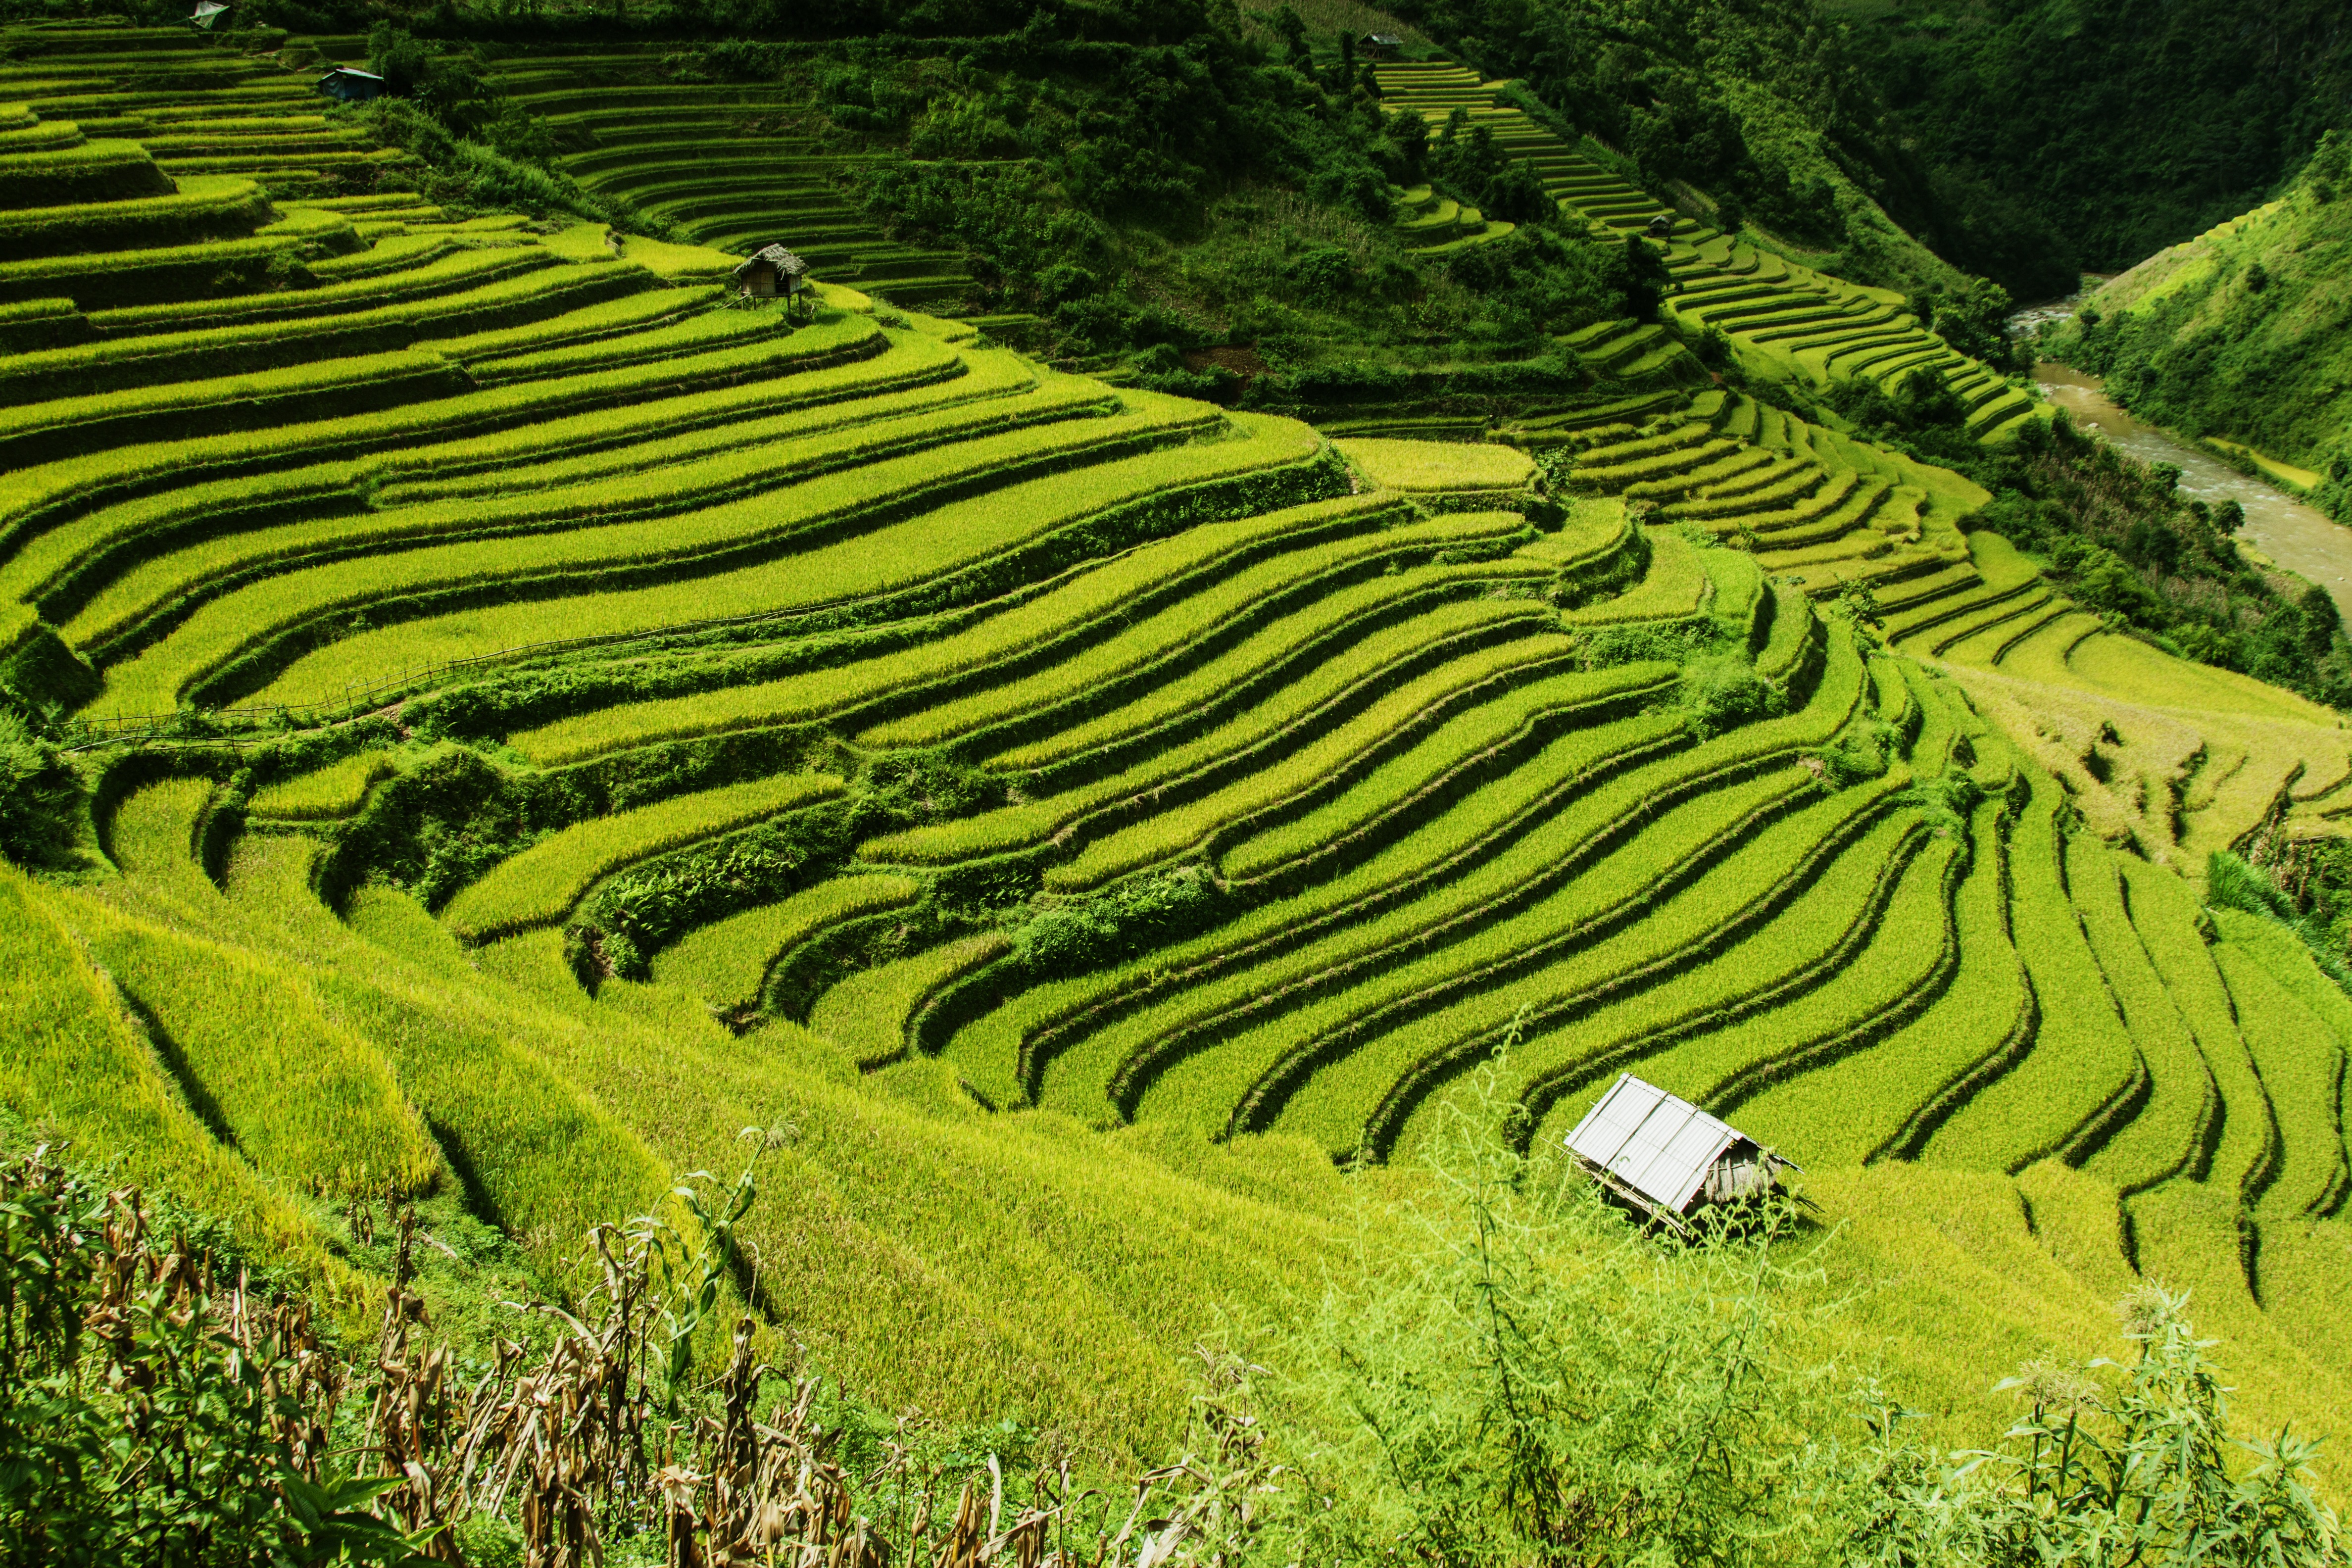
(2298,537)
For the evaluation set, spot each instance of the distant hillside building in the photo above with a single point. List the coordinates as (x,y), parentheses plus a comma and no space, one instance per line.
(1381,47)
(349,84)
(771,271)
(1667,1157)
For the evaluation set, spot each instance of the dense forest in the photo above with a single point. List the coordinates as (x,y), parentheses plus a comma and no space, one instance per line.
(2059,136)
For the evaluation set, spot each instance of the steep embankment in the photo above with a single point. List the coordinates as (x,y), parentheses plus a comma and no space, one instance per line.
(2243,334)
(537,721)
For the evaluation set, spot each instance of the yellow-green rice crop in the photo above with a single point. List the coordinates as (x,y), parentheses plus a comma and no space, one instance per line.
(29,491)
(2082,1065)
(1799,994)
(1088,595)
(630,313)
(1285,774)
(508,459)
(1382,982)
(307,1101)
(72,1063)
(2301,1061)
(159,328)
(1425,466)
(337,789)
(746,468)
(1872,1102)
(1457,1004)
(866,1014)
(1672,590)
(570,557)
(949,538)
(710,329)
(727,961)
(1223,610)
(1364,666)
(2170,1130)
(1462,741)
(1399,893)
(1328,623)
(2165,913)
(541,884)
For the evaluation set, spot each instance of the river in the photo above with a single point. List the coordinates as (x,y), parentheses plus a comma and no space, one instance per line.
(2301,538)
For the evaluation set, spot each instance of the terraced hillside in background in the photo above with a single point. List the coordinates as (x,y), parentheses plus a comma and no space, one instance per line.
(540,721)
(1786,321)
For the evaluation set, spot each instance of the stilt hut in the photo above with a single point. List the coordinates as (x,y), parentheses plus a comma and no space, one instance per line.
(1668,1158)
(349,84)
(1381,47)
(771,272)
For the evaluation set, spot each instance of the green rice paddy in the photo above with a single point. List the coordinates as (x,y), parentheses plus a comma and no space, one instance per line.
(1171,778)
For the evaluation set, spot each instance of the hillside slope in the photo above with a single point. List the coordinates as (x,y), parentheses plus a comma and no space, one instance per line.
(2244,333)
(2059,136)
(532,718)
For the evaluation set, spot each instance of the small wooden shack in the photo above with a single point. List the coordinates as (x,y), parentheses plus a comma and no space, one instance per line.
(207,13)
(1381,47)
(349,84)
(1668,1158)
(1661,226)
(771,271)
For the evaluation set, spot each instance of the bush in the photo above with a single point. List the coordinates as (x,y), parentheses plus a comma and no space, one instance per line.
(38,793)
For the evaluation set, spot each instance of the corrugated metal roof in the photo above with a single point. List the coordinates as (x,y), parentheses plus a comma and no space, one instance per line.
(1656,1145)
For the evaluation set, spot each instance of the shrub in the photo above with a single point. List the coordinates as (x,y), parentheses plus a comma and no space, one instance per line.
(38,793)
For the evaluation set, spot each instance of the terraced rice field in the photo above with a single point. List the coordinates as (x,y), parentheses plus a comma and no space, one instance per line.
(1786,320)
(605,720)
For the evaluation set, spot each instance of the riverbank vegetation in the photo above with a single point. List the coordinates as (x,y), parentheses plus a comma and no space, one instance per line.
(2241,333)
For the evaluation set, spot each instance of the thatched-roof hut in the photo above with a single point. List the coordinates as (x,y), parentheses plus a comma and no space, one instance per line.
(769,271)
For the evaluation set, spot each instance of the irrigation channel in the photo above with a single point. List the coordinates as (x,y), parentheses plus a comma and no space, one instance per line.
(2300,538)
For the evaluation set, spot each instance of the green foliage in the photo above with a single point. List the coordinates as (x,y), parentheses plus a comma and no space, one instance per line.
(2233,337)
(1765,107)
(2317,921)
(2140,1468)
(2072,135)
(40,795)
(1065,939)
(2120,539)
(154,1415)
